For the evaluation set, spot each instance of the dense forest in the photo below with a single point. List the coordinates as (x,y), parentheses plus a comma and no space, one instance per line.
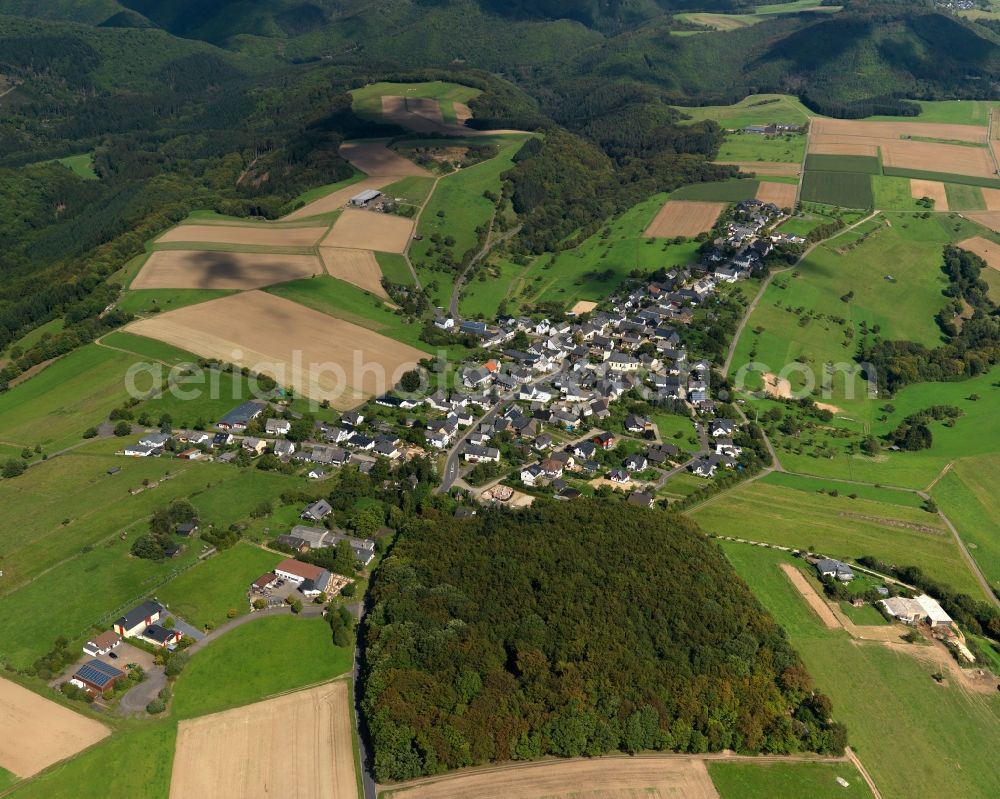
(569,629)
(969,350)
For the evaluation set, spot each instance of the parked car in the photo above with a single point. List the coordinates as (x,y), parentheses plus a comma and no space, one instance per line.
(112,655)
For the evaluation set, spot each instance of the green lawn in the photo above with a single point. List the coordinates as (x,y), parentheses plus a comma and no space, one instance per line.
(394,268)
(840,527)
(757,109)
(786,780)
(865,615)
(886,698)
(682,484)
(262,658)
(789,148)
(967,494)
(368,100)
(457,208)
(134,762)
(55,406)
(204,594)
(81,165)
(149,301)
(816,485)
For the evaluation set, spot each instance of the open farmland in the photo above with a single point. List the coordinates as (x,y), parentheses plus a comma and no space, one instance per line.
(319,356)
(988,250)
(337,199)
(203,269)
(991,198)
(756,109)
(357,267)
(298,746)
(840,527)
(256,235)
(885,695)
(930,188)
(843,163)
(607,777)
(846,189)
(369,230)
(781,194)
(38,732)
(783,780)
(988,219)
(684,218)
(721,191)
(368,100)
(375,159)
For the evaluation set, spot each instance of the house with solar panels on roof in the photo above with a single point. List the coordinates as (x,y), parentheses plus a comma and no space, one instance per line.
(95,677)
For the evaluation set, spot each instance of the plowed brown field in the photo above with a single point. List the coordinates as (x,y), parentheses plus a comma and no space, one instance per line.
(990,219)
(203,269)
(357,267)
(318,355)
(766,168)
(297,746)
(370,230)
(781,194)
(35,733)
(930,188)
(375,159)
(260,235)
(603,777)
(683,218)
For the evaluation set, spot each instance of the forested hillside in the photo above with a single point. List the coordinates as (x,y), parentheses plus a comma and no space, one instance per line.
(575,628)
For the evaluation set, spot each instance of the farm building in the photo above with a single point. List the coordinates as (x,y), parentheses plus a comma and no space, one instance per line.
(264,583)
(362,199)
(138,619)
(317,511)
(310,579)
(920,608)
(102,644)
(160,636)
(320,538)
(95,677)
(835,569)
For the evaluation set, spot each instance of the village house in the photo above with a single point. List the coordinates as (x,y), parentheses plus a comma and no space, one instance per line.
(240,417)
(317,511)
(835,569)
(277,427)
(138,619)
(102,644)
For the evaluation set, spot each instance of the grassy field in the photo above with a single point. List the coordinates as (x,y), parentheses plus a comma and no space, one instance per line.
(753,147)
(481,297)
(394,268)
(967,494)
(457,208)
(885,696)
(866,164)
(840,527)
(600,263)
(6,779)
(81,165)
(271,655)
(723,191)
(147,348)
(944,177)
(757,109)
(847,189)
(956,112)
(893,194)
(786,780)
(149,301)
(55,406)
(817,485)
(200,400)
(413,190)
(368,100)
(964,198)
(98,773)
(204,594)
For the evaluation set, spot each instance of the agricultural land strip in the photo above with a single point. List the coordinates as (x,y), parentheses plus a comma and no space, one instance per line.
(205,269)
(684,218)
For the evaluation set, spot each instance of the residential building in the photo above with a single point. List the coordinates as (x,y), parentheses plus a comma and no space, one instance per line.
(102,644)
(138,619)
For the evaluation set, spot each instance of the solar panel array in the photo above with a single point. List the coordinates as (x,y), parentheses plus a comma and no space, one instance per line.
(97,672)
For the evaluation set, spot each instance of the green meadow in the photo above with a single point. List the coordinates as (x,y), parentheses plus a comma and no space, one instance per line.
(394,268)
(964,198)
(786,780)
(789,148)
(143,302)
(817,485)
(846,189)
(55,406)
(839,527)
(368,100)
(81,165)
(411,190)
(757,109)
(206,593)
(885,696)
(287,653)
(722,191)
(458,208)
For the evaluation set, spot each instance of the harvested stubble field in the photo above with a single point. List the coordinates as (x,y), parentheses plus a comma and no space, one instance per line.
(298,746)
(375,159)
(38,733)
(765,169)
(851,137)
(604,777)
(988,219)
(683,218)
(336,200)
(203,269)
(318,355)
(370,230)
(256,235)
(988,250)
(781,194)
(991,197)
(357,267)
(930,188)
